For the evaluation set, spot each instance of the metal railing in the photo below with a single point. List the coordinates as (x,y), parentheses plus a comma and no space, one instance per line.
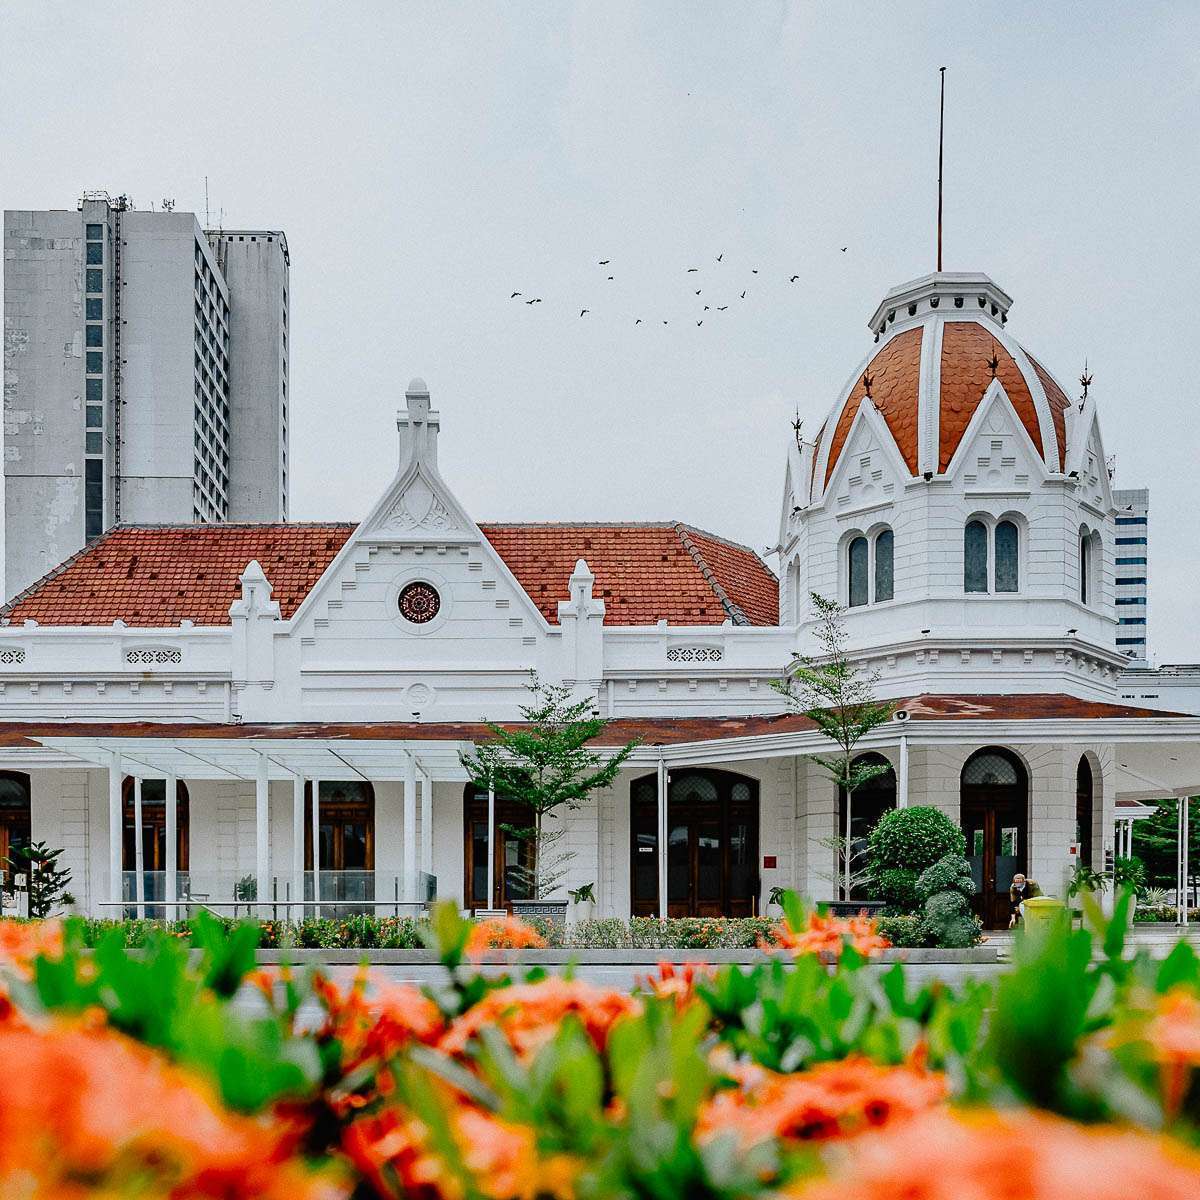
(334,893)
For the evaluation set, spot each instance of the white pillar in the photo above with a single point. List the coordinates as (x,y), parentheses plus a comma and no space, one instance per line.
(426,823)
(171,833)
(663,779)
(902,776)
(297,845)
(410,827)
(262,832)
(491,848)
(316,842)
(1184,823)
(115,889)
(139,860)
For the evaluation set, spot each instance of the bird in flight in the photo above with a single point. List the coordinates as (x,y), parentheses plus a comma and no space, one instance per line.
(793,279)
(692,270)
(604,262)
(753,270)
(699,323)
(720,256)
(844,249)
(698,291)
(666,322)
(743,295)
(638,321)
(610,277)
(530,301)
(722,307)
(583,311)
(514,295)
(706,308)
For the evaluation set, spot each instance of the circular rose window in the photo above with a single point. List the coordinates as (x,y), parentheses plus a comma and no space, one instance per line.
(419,602)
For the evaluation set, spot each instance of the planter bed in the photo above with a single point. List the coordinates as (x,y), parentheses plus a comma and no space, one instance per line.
(620,957)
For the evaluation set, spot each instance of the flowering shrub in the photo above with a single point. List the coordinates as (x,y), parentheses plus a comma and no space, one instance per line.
(173,1072)
(503,933)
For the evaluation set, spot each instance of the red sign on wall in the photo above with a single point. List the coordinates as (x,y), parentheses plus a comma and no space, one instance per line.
(770,861)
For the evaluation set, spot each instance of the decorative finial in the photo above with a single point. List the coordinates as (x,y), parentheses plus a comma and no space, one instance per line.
(797,425)
(1085,381)
(994,362)
(868,381)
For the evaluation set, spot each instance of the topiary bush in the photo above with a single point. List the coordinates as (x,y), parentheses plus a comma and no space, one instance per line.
(951,873)
(905,842)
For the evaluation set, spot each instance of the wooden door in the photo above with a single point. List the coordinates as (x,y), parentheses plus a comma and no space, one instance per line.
(995,830)
(512,857)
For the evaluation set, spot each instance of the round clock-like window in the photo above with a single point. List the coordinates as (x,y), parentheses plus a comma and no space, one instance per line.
(419,602)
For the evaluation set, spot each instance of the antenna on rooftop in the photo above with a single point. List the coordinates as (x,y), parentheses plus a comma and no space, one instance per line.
(207,222)
(941,141)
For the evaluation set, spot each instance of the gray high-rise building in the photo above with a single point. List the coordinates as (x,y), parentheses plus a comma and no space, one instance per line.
(1132,572)
(145,376)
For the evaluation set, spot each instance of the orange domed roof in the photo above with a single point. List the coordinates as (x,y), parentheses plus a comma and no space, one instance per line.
(946,332)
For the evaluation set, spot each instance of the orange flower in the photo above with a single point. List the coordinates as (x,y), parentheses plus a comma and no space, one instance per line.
(23,941)
(828,935)
(832,1100)
(373,1018)
(91,1104)
(1171,1030)
(502,933)
(945,1155)
(394,1151)
(677,982)
(529,1014)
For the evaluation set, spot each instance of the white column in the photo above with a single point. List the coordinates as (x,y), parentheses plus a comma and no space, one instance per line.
(171,832)
(297,846)
(663,780)
(316,841)
(902,776)
(115,891)
(426,823)
(1184,823)
(410,827)
(491,848)
(139,863)
(262,833)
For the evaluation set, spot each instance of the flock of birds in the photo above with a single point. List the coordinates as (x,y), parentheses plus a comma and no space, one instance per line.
(735,296)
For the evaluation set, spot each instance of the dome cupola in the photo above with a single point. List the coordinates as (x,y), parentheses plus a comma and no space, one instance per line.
(942,343)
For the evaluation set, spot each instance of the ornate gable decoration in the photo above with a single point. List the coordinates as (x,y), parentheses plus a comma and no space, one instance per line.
(418,504)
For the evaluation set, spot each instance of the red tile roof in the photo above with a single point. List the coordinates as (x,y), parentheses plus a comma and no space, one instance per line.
(650,730)
(160,575)
(152,575)
(1058,406)
(644,573)
(967,348)
(895,379)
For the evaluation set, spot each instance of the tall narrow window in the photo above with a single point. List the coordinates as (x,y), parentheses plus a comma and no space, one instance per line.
(1085,566)
(885,543)
(1006,557)
(858,572)
(975,557)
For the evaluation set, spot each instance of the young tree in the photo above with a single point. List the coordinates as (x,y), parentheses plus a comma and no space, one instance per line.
(546,765)
(1156,840)
(839,698)
(45,880)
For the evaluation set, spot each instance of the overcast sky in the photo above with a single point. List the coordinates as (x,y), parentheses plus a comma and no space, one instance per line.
(426,161)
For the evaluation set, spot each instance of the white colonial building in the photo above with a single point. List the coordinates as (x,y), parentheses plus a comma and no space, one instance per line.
(305,690)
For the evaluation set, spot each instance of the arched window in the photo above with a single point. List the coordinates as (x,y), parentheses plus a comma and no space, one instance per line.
(1085,567)
(975,557)
(1007,543)
(1001,544)
(885,542)
(867,805)
(858,555)
(1083,810)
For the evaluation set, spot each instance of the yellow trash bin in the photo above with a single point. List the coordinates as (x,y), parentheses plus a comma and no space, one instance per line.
(1041,912)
